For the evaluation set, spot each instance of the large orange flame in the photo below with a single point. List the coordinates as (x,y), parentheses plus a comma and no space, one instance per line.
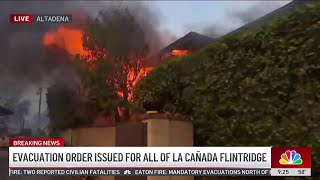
(71,40)
(66,38)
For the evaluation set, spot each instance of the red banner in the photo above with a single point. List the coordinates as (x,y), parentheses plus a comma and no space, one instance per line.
(36,142)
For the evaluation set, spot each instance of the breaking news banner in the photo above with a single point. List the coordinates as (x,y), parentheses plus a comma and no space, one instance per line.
(40,18)
(46,156)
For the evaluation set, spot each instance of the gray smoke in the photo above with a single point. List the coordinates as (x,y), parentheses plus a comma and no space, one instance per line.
(255,11)
(236,17)
(25,62)
(210,30)
(23,58)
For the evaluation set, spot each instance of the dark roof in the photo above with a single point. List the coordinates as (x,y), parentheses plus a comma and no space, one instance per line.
(270,16)
(191,41)
(4,111)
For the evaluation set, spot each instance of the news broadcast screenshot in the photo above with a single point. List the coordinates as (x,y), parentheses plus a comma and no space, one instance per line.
(159,90)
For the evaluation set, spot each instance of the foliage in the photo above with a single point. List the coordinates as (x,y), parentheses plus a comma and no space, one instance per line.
(257,88)
(93,77)
(116,46)
(67,109)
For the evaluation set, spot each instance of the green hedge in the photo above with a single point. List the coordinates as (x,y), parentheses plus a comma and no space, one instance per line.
(257,88)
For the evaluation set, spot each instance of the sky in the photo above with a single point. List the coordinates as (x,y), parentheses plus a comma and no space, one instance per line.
(180,17)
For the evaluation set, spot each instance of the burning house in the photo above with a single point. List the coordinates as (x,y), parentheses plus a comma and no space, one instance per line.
(193,41)
(188,43)
(183,46)
(68,41)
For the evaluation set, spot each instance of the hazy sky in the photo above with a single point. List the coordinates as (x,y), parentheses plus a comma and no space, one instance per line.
(180,17)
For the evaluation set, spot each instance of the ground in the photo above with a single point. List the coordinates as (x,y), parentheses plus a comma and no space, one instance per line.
(4,160)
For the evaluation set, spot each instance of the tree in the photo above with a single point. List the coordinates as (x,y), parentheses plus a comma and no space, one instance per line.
(68,109)
(116,45)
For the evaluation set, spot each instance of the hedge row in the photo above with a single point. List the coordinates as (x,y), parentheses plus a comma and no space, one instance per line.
(257,88)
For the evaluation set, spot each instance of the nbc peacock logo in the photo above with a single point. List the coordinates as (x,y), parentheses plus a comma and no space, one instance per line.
(290,158)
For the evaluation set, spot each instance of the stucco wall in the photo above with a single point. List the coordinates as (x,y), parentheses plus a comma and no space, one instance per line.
(93,136)
(160,132)
(181,133)
(164,132)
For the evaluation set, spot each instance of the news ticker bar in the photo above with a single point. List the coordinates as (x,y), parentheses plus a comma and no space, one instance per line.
(157,172)
(40,18)
(49,157)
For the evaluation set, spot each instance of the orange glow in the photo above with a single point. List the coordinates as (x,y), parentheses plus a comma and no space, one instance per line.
(135,78)
(143,72)
(179,52)
(66,38)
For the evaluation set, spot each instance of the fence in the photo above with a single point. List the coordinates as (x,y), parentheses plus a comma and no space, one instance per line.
(150,130)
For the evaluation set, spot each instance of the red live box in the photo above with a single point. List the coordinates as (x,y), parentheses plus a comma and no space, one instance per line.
(290,157)
(21,18)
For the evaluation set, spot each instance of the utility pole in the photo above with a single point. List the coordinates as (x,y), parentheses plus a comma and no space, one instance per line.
(40,100)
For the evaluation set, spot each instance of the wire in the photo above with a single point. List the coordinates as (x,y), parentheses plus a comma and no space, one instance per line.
(120,4)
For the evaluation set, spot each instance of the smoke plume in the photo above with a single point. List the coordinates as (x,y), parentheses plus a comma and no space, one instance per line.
(245,12)
(26,63)
(23,59)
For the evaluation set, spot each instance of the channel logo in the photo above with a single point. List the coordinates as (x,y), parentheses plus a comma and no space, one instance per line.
(290,158)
